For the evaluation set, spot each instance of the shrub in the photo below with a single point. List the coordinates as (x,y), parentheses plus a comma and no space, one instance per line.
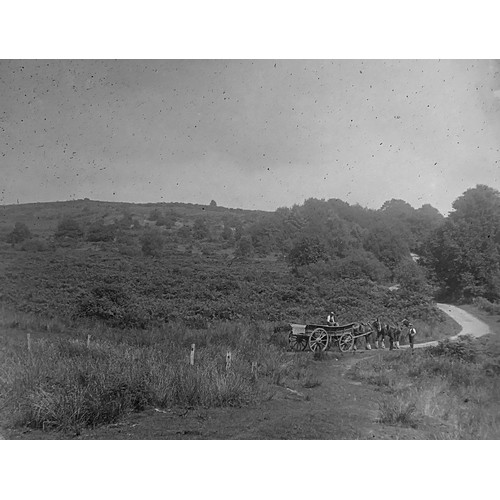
(200,229)
(307,251)
(152,243)
(113,305)
(34,245)
(486,305)
(244,247)
(19,233)
(398,411)
(69,228)
(100,232)
(462,349)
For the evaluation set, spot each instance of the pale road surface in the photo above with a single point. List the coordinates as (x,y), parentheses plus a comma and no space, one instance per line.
(470,324)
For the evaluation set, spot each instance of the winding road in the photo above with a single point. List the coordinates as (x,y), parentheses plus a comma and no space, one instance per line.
(469,323)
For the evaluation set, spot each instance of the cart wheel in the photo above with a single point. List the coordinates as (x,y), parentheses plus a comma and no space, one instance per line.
(297,342)
(346,342)
(318,341)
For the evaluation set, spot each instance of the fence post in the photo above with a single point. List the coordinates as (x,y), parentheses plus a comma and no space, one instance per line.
(191,356)
(29,342)
(254,369)
(228,360)
(88,341)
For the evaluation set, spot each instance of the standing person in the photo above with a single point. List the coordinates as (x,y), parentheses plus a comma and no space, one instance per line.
(411,335)
(389,332)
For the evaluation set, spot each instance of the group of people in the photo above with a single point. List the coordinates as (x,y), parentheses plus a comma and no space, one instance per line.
(392,331)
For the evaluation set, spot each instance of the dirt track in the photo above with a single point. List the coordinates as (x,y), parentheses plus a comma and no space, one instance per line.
(469,323)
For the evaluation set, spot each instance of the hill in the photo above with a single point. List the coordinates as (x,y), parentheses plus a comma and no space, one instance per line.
(137,265)
(147,281)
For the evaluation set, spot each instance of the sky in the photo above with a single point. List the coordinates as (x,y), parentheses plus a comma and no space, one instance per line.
(253,134)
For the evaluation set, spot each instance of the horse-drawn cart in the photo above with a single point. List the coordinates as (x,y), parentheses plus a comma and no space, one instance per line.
(321,337)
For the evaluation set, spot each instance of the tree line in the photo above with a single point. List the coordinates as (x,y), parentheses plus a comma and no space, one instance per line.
(459,254)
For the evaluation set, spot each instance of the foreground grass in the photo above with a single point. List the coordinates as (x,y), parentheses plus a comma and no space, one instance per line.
(62,384)
(456,384)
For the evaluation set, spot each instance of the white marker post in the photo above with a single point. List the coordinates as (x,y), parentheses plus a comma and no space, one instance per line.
(191,356)
(228,361)
(254,369)
(29,342)
(88,341)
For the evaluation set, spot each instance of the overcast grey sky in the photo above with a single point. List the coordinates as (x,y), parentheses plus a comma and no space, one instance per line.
(248,134)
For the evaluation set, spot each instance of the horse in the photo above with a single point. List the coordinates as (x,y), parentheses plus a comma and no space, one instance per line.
(362,328)
(377,325)
(393,331)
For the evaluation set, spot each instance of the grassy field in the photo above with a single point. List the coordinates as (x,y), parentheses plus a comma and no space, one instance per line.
(456,384)
(62,383)
(143,313)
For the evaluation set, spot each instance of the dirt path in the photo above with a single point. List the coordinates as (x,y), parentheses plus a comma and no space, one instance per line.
(469,323)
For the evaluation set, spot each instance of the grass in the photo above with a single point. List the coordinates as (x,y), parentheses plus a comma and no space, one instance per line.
(456,385)
(398,411)
(63,385)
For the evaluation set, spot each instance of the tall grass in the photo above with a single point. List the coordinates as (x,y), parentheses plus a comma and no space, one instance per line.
(62,384)
(450,384)
(398,411)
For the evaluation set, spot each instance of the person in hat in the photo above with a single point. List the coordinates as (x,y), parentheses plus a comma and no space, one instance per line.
(331,320)
(412,332)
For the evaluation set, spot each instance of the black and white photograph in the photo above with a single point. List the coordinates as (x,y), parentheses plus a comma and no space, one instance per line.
(250,249)
(236,249)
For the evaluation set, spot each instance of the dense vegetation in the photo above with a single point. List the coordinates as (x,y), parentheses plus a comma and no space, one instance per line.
(140,266)
(464,253)
(63,384)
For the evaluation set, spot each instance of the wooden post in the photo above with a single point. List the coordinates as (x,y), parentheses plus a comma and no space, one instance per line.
(228,360)
(191,356)
(29,342)
(254,369)
(88,341)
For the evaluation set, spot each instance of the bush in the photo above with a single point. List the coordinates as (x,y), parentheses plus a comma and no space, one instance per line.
(19,233)
(152,243)
(69,228)
(462,349)
(244,247)
(307,251)
(398,411)
(34,245)
(486,305)
(113,305)
(100,232)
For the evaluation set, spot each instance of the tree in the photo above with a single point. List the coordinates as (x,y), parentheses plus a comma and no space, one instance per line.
(388,245)
(397,208)
(410,276)
(200,229)
(213,203)
(19,233)
(464,253)
(306,251)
